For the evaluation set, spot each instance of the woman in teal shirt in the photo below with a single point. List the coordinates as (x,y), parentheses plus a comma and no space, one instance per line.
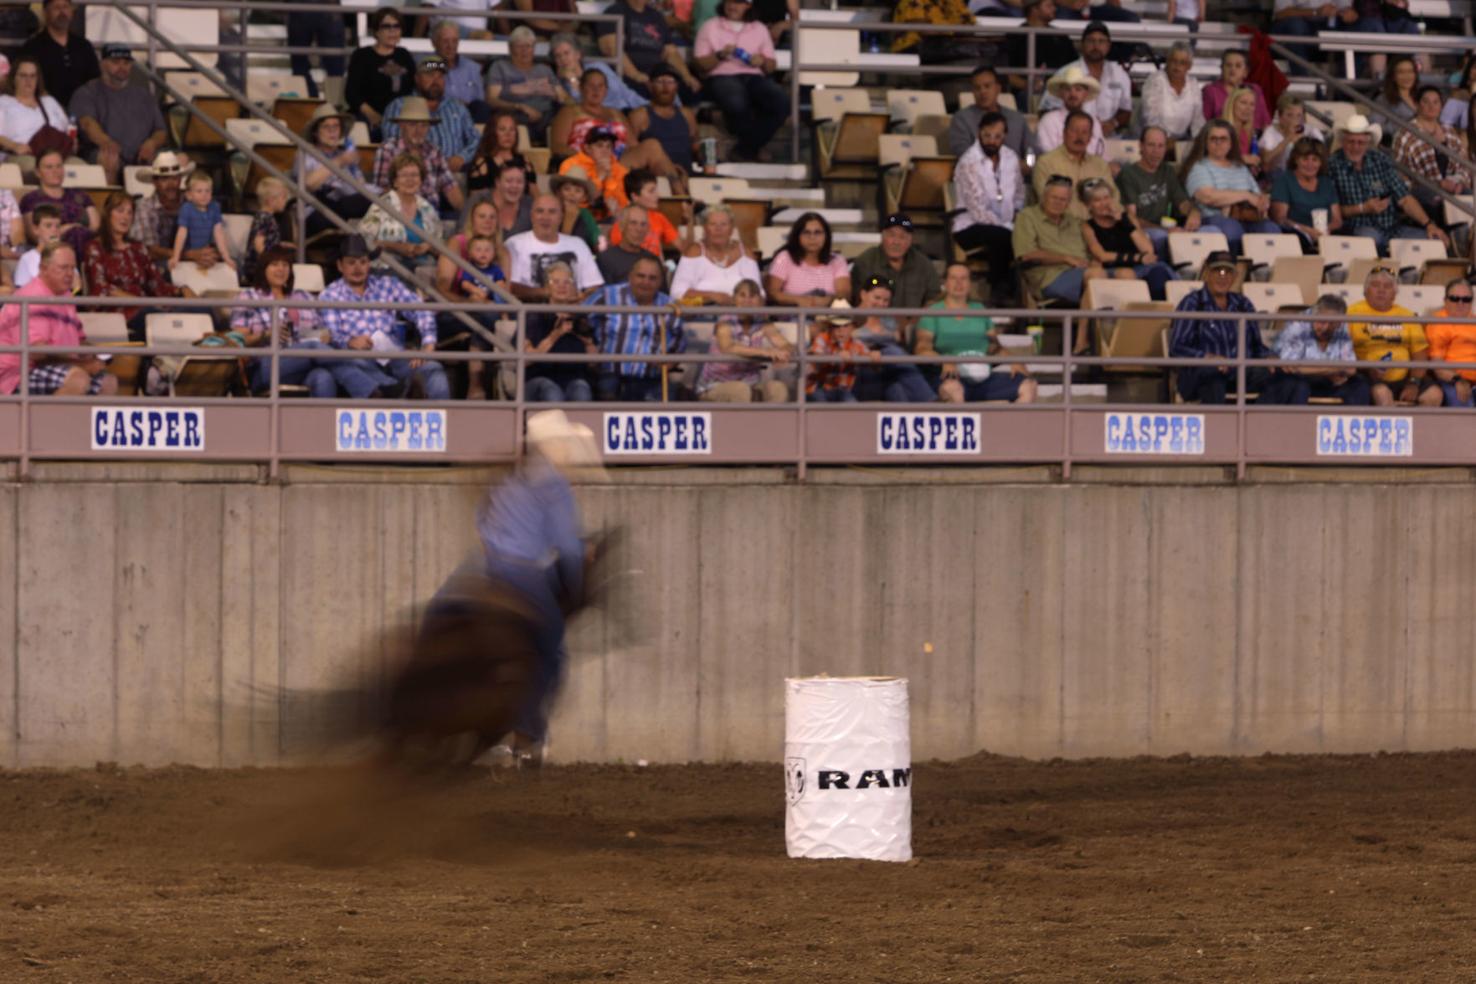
(969,334)
(1302,187)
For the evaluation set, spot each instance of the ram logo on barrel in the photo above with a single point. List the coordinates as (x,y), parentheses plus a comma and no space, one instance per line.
(868,779)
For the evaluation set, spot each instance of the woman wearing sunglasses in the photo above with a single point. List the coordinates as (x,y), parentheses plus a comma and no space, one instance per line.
(1454,343)
(381,72)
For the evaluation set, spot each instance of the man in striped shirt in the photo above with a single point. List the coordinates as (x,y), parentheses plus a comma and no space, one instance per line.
(1207,338)
(635,334)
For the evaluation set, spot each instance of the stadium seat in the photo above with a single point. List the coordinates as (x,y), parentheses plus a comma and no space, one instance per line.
(192,84)
(1330,115)
(1349,293)
(84,176)
(771,240)
(914,175)
(295,111)
(1426,260)
(1136,337)
(847,148)
(714,191)
(1360,268)
(217,281)
(359,133)
(238,230)
(11,177)
(191,375)
(133,183)
(834,47)
(1263,249)
(191,133)
(1187,250)
(1272,296)
(265,88)
(1422,299)
(1338,252)
(1122,151)
(308,277)
(1304,271)
(1111,294)
(108,329)
(1176,290)
(832,104)
(905,106)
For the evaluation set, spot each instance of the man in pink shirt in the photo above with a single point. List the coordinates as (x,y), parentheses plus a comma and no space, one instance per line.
(52,324)
(737,56)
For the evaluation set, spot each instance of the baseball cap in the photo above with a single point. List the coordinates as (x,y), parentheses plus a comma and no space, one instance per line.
(1096,27)
(432,63)
(662,71)
(599,133)
(117,51)
(1218,260)
(898,220)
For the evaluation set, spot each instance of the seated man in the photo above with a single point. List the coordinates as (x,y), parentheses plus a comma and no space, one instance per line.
(901,261)
(616,260)
(67,59)
(1072,161)
(635,334)
(1454,343)
(1152,193)
(963,131)
(1048,238)
(156,218)
(527,87)
(1076,90)
(352,327)
(52,324)
(453,132)
(463,75)
(1390,343)
(671,125)
(412,123)
(1321,341)
(1112,106)
(1195,338)
(1372,193)
(531,253)
(990,190)
(120,121)
(1051,50)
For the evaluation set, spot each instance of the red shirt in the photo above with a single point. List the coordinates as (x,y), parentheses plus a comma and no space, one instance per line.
(128,269)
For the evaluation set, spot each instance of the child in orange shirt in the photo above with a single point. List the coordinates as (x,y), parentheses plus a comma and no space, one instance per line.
(641,189)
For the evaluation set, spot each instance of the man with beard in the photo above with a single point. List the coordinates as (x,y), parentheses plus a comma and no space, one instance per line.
(629,333)
(1075,89)
(67,61)
(1113,103)
(990,190)
(963,132)
(156,217)
(673,127)
(453,132)
(121,121)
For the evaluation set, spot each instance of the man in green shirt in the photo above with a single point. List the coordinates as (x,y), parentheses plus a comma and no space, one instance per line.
(1152,192)
(911,271)
(1049,241)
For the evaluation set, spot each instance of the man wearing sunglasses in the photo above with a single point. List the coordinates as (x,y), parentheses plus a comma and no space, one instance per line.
(1454,343)
(1318,340)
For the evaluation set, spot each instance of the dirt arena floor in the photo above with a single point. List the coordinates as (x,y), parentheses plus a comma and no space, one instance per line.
(1269,869)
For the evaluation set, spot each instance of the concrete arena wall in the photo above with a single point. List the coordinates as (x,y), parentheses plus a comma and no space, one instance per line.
(152,615)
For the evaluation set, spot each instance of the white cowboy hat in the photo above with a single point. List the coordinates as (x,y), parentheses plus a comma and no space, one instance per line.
(167,164)
(575,175)
(1069,76)
(1359,124)
(842,315)
(562,442)
(414,109)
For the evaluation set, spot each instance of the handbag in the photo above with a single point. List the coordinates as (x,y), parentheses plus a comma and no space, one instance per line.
(1245,212)
(49,138)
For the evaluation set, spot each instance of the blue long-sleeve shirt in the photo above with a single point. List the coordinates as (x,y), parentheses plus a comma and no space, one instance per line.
(1199,338)
(531,520)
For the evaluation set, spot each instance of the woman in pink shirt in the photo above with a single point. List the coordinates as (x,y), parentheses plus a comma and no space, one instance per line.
(1233,71)
(805,273)
(737,56)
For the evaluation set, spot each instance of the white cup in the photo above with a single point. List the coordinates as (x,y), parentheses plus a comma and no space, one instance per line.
(1319,220)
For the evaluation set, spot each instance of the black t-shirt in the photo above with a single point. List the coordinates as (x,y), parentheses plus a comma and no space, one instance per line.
(540,326)
(1116,238)
(63,69)
(378,80)
(646,34)
(615,264)
(1051,50)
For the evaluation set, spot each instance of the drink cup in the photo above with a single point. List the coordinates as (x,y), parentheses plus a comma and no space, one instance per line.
(1319,220)
(1037,337)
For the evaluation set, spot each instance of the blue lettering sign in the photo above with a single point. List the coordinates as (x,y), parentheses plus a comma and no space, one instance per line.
(392,431)
(658,433)
(1359,436)
(1154,433)
(148,429)
(927,433)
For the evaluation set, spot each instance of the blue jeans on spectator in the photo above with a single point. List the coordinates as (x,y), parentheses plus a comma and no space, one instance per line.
(1234,230)
(1156,274)
(896,383)
(431,375)
(1300,389)
(1159,237)
(360,378)
(1381,238)
(541,389)
(1452,397)
(613,388)
(325,30)
(1209,385)
(838,394)
(1301,27)
(754,106)
(297,370)
(1066,287)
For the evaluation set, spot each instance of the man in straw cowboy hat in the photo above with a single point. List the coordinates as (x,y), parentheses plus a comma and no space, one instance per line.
(1075,89)
(156,217)
(453,133)
(413,121)
(531,536)
(1113,103)
(1375,199)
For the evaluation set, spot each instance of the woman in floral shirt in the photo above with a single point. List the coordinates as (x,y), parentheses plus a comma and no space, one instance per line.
(116,266)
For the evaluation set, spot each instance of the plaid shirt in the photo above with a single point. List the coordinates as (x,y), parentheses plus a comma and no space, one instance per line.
(153,226)
(1297,343)
(129,269)
(350,322)
(634,334)
(453,133)
(1198,339)
(436,177)
(1377,178)
(1420,157)
(256,320)
(834,375)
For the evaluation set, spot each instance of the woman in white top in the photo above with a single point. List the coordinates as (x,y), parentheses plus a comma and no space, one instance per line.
(26,108)
(1287,128)
(710,270)
(1171,98)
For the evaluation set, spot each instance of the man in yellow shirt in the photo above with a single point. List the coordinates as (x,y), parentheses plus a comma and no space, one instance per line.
(1390,343)
(1454,343)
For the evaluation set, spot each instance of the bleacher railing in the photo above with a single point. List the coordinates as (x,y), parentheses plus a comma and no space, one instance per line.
(273,429)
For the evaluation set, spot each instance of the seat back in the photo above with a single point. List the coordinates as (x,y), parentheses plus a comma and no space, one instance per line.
(294,112)
(1304,271)
(220,109)
(898,149)
(1138,336)
(1348,293)
(1346,249)
(906,105)
(104,327)
(1272,296)
(308,277)
(1413,254)
(1337,111)
(11,177)
(238,230)
(265,88)
(1189,249)
(254,132)
(831,47)
(1421,298)
(84,176)
(1109,293)
(713,191)
(171,328)
(1264,249)
(833,103)
(217,281)
(1176,290)
(771,240)
(192,84)
(1123,151)
(133,182)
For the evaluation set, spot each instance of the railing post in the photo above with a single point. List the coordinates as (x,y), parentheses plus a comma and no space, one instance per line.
(25,387)
(520,409)
(801,348)
(274,410)
(1030,70)
(1067,346)
(794,92)
(1241,329)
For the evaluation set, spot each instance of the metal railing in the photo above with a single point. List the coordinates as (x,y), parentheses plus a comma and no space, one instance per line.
(801,433)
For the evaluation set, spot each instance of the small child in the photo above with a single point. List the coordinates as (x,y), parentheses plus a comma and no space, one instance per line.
(834,382)
(641,188)
(481,252)
(200,222)
(46,226)
(272,226)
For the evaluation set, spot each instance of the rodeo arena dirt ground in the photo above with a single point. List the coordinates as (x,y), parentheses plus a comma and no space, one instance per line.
(1263,869)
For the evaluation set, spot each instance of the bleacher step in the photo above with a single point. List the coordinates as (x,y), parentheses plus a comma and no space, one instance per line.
(835,216)
(763,172)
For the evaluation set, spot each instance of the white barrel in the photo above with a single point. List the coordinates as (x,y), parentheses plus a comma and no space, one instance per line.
(848,768)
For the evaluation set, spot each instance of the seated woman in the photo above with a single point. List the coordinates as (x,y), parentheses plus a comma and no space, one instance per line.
(572,125)
(563,334)
(1289,126)
(26,109)
(1240,113)
(79,218)
(327,132)
(758,341)
(295,327)
(711,270)
(1397,99)
(400,231)
(452,282)
(1420,158)
(1122,249)
(513,205)
(1303,188)
(1226,192)
(806,272)
(497,148)
(381,72)
(116,266)
(736,54)
(960,328)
